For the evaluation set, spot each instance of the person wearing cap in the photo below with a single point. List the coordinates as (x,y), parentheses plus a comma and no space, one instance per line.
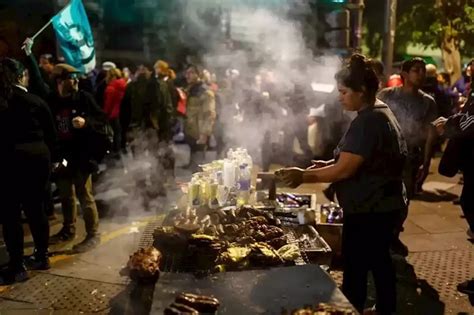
(108,65)
(27,139)
(414,110)
(80,123)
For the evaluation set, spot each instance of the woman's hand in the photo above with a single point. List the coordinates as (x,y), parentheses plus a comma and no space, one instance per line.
(292,176)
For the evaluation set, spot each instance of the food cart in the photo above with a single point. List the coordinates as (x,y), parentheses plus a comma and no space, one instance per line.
(263,256)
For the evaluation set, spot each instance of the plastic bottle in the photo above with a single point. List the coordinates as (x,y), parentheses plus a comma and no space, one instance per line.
(243,192)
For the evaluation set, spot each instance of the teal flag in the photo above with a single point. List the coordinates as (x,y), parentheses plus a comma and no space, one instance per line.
(74,35)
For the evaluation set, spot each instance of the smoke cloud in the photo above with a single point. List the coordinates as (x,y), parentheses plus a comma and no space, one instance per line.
(275,71)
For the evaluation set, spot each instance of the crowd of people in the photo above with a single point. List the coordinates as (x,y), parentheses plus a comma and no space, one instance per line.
(57,125)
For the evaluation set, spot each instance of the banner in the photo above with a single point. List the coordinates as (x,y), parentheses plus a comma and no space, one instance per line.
(74,35)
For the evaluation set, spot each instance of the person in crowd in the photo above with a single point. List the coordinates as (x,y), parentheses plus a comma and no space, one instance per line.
(163,105)
(41,84)
(80,124)
(433,88)
(210,80)
(132,108)
(297,131)
(415,110)
(101,82)
(444,83)
(114,93)
(379,69)
(463,85)
(165,74)
(459,154)
(127,74)
(162,100)
(201,111)
(371,193)
(27,139)
(46,64)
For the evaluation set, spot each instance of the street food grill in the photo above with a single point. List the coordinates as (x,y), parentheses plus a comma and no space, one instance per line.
(233,239)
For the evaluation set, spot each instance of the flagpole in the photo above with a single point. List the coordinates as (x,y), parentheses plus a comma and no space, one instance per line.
(46,25)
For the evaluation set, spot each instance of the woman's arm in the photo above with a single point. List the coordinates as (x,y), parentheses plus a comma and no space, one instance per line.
(345,167)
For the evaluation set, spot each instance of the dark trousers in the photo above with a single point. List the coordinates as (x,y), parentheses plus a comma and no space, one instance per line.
(115,124)
(28,185)
(48,200)
(467,198)
(366,242)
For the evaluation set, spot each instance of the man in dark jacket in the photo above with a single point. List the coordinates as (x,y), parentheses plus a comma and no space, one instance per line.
(25,168)
(460,129)
(132,109)
(80,124)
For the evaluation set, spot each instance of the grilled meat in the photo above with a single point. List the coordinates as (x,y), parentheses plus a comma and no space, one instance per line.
(144,264)
(202,303)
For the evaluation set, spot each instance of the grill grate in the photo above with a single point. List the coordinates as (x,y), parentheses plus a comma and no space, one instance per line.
(147,236)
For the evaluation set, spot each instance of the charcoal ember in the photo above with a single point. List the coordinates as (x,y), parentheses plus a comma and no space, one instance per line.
(180,309)
(277,242)
(202,303)
(144,265)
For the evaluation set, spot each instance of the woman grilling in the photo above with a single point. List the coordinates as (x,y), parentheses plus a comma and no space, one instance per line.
(367,172)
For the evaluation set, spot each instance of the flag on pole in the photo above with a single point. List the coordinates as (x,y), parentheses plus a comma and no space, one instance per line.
(74,35)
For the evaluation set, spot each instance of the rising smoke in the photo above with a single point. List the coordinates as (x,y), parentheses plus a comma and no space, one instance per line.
(277,56)
(274,66)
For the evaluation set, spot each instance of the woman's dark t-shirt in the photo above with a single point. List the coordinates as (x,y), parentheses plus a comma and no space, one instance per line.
(377,185)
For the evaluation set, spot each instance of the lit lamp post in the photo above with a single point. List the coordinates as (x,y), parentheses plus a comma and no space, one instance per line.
(389,34)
